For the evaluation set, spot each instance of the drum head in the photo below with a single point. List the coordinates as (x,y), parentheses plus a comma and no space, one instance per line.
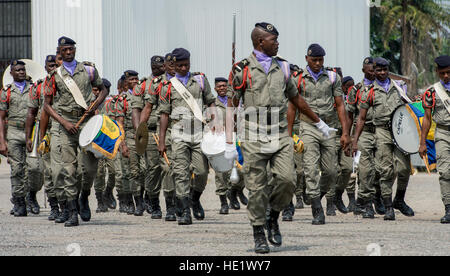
(213,144)
(91,130)
(405,130)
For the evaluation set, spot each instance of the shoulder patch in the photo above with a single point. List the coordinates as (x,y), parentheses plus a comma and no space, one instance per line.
(157,79)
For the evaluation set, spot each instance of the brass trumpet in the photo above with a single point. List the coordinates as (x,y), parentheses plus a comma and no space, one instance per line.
(34,153)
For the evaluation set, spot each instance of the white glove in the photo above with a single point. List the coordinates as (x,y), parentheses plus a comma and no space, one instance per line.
(325,129)
(231,152)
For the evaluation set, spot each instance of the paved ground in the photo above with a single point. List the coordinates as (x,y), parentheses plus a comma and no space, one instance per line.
(116,234)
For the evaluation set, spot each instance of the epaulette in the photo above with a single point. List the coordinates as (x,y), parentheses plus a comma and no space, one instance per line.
(7,87)
(370,86)
(198,73)
(157,79)
(400,82)
(88,63)
(329,69)
(281,58)
(358,86)
(297,71)
(143,80)
(29,78)
(39,82)
(241,65)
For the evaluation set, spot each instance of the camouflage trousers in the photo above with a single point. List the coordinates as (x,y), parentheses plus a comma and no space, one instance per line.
(106,167)
(367,169)
(223,183)
(443,163)
(256,166)
(26,172)
(135,168)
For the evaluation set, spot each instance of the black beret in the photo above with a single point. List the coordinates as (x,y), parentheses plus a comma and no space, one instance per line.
(315,50)
(180,54)
(221,80)
(130,73)
(368,60)
(347,79)
(294,67)
(443,61)
(17,62)
(157,60)
(65,41)
(50,58)
(106,83)
(268,28)
(168,57)
(381,62)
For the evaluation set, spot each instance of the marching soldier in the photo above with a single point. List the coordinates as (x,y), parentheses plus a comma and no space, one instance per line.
(13,107)
(321,87)
(132,163)
(68,96)
(258,81)
(223,182)
(385,96)
(35,108)
(185,95)
(151,96)
(436,102)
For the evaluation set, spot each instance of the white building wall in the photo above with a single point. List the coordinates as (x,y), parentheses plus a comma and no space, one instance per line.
(127,33)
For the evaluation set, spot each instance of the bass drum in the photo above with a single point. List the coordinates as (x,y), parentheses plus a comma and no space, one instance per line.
(406,129)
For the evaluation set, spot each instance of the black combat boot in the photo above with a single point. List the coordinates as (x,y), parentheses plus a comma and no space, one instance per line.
(400,204)
(130,205)
(178,207)
(359,207)
(197,208)
(64,214)
(122,203)
(446,218)
(14,202)
(108,199)
(54,208)
(155,208)
(369,212)
(331,208)
(242,198)
(34,205)
(170,208)
(21,210)
(224,208)
(147,204)
(101,206)
(317,212)
(139,212)
(232,196)
(73,214)
(185,218)
(85,210)
(352,203)
(378,202)
(261,245)
(273,229)
(307,200)
(28,202)
(288,213)
(390,214)
(339,203)
(299,202)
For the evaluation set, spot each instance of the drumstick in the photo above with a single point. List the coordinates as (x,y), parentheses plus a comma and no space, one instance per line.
(86,113)
(157,143)
(425,159)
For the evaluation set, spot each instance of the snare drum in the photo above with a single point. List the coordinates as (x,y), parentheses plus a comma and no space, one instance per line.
(102,136)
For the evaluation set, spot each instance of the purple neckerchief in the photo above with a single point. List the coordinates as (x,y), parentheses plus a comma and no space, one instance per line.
(446,85)
(223,100)
(315,75)
(20,85)
(367,82)
(130,91)
(169,76)
(70,66)
(184,79)
(385,84)
(264,60)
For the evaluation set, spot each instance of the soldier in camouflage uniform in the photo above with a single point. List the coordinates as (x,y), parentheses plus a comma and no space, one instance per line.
(13,108)
(321,87)
(438,111)
(66,107)
(266,143)
(35,108)
(133,165)
(385,96)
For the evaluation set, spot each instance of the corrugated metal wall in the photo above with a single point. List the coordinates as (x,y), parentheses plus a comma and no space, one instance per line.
(80,20)
(135,30)
(132,31)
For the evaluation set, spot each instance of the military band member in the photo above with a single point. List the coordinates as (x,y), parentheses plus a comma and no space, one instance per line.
(385,96)
(261,98)
(321,87)
(13,108)
(435,108)
(68,96)
(35,110)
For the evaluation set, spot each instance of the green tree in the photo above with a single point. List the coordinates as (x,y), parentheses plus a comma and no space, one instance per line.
(411,32)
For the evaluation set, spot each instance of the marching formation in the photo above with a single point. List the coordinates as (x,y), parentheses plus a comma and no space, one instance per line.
(288,133)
